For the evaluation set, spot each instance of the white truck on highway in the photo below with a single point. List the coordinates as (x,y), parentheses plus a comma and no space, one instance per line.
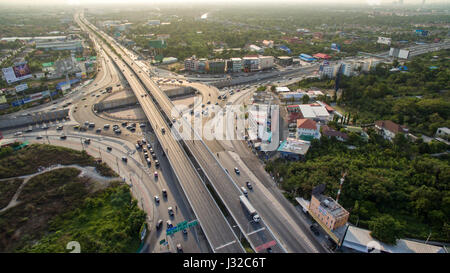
(251,210)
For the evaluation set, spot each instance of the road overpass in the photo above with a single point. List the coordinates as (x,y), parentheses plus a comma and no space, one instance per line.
(258,234)
(216,228)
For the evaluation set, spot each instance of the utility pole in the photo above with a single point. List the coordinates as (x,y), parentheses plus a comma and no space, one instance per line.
(340,186)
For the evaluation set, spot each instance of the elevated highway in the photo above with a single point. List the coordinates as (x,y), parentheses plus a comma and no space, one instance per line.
(259,234)
(213,223)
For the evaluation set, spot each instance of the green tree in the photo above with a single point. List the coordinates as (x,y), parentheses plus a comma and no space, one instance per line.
(386,229)
(305,99)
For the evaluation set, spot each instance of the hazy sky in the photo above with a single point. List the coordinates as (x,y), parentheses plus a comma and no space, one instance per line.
(128,2)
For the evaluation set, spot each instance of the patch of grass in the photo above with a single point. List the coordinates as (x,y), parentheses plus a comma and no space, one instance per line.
(7,190)
(28,160)
(105,170)
(57,207)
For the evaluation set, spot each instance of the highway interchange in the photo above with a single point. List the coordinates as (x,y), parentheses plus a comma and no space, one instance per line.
(177,173)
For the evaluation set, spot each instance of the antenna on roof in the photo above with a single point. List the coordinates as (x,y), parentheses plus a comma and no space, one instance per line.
(340,186)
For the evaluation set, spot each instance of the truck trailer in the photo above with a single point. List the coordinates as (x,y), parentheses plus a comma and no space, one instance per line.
(251,210)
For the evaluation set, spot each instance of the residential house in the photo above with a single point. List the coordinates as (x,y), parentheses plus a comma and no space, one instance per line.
(388,129)
(307,129)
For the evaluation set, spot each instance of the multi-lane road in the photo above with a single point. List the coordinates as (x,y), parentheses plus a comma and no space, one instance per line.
(217,230)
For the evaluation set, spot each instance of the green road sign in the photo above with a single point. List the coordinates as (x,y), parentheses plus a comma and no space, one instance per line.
(180,226)
(162,241)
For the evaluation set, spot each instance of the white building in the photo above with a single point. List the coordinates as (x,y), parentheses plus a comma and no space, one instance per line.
(255,48)
(307,129)
(315,112)
(258,117)
(281,89)
(347,69)
(443,132)
(328,71)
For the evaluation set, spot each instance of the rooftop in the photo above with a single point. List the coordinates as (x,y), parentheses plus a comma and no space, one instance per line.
(296,146)
(282,89)
(306,124)
(360,239)
(331,206)
(390,126)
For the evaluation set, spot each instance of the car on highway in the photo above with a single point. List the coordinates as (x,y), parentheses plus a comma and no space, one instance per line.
(164,193)
(63,136)
(109,148)
(106,126)
(244,191)
(17,133)
(156,163)
(124,124)
(169,224)
(39,137)
(179,248)
(185,231)
(236,170)
(249,185)
(140,125)
(156,199)
(149,162)
(87,141)
(149,146)
(117,131)
(314,230)
(163,131)
(146,155)
(59,128)
(159,224)
(124,159)
(45,127)
(99,130)
(170,210)
(138,147)
(155,174)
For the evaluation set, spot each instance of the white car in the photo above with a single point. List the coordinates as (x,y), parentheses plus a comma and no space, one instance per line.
(156,199)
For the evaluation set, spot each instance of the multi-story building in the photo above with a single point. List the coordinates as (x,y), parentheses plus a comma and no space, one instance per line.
(236,65)
(216,66)
(327,211)
(191,64)
(284,60)
(265,62)
(328,71)
(250,63)
(202,65)
(347,69)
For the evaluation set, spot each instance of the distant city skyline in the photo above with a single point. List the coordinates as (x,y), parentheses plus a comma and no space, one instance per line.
(149,2)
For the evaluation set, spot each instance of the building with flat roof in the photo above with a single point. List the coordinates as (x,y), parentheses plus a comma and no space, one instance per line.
(306,57)
(359,240)
(284,60)
(293,149)
(235,65)
(315,112)
(281,89)
(266,62)
(60,45)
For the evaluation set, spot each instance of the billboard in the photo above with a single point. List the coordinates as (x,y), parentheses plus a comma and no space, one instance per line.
(384,40)
(2,99)
(18,72)
(335,47)
(21,87)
